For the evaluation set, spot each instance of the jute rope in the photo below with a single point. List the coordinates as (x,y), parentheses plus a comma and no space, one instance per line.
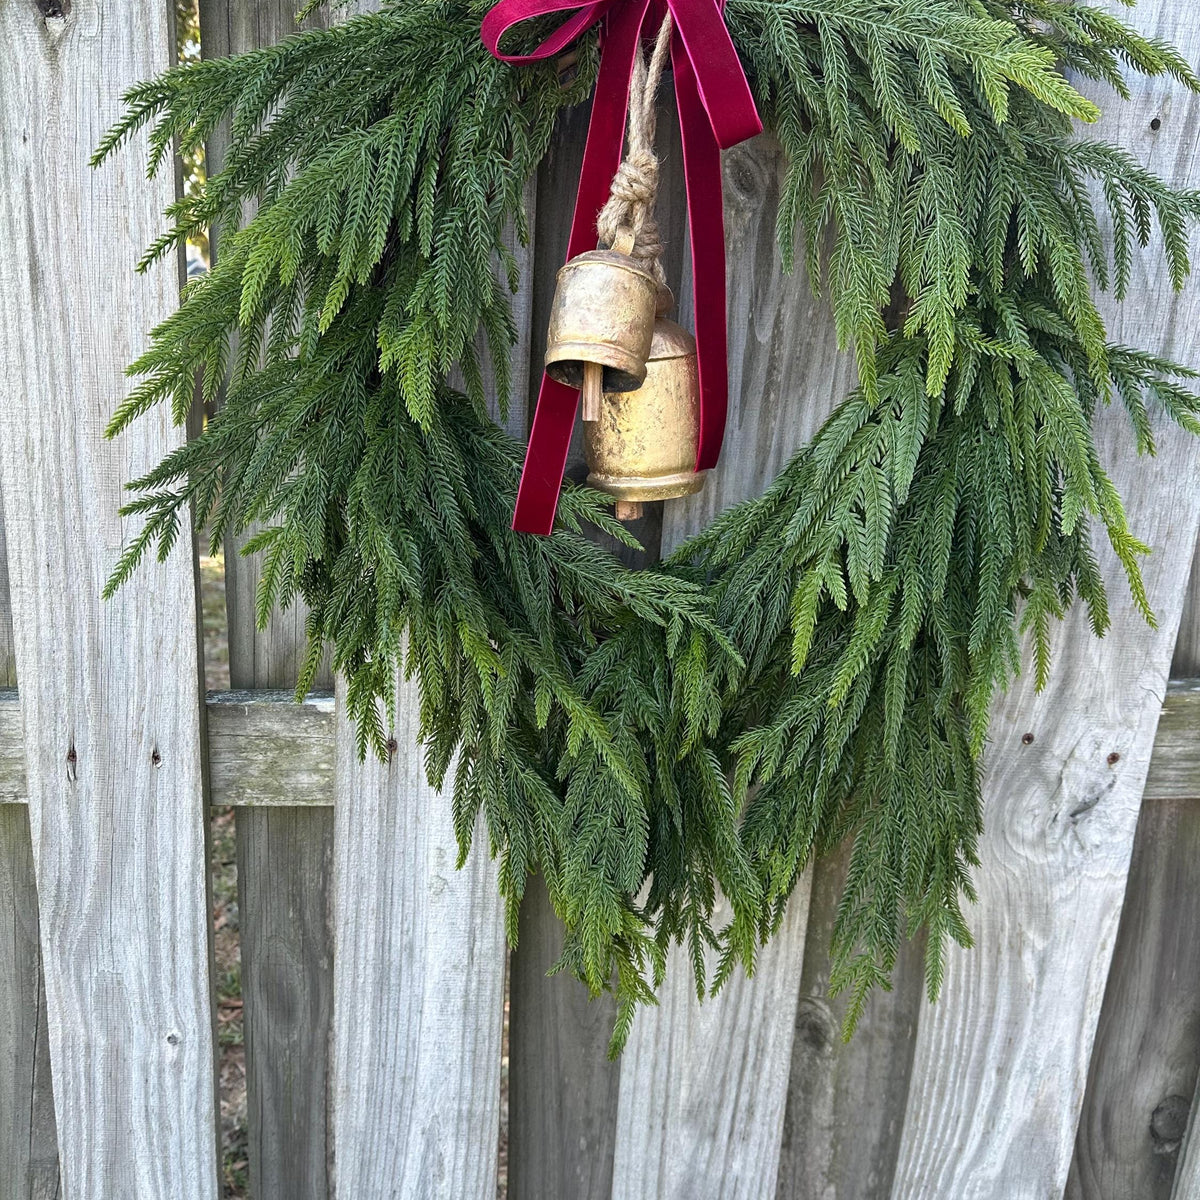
(628,215)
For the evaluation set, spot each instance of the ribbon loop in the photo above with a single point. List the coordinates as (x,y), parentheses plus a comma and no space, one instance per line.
(716,111)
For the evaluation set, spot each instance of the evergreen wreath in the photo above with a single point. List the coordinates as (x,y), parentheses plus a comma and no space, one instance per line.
(820,662)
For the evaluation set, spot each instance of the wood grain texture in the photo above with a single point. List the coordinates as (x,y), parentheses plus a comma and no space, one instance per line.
(1187,646)
(690,1124)
(1187,1179)
(28,1141)
(8,662)
(28,1144)
(284,872)
(418,984)
(846,1101)
(110,692)
(1187,660)
(703,1086)
(562,1099)
(285,751)
(1144,1067)
(284,865)
(1001,1061)
(267,751)
(1175,766)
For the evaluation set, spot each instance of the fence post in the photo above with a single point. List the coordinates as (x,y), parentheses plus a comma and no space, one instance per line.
(110,693)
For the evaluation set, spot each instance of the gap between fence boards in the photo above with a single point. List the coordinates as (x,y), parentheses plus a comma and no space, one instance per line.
(265,749)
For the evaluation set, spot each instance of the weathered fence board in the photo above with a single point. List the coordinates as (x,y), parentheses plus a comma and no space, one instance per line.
(267,751)
(1002,1059)
(1187,657)
(8,662)
(703,1086)
(418,983)
(846,1101)
(110,692)
(687,1125)
(1187,1180)
(283,859)
(562,1093)
(28,1146)
(1143,1068)
(283,856)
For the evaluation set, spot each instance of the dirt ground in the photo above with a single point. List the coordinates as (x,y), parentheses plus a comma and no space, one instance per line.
(223,848)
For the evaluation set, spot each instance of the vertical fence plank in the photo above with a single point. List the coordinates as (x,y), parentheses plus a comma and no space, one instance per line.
(28,1141)
(563,1089)
(1002,1059)
(418,982)
(8,660)
(420,959)
(562,1098)
(28,1144)
(109,692)
(703,1087)
(1186,662)
(1187,1181)
(1143,1068)
(284,856)
(846,1100)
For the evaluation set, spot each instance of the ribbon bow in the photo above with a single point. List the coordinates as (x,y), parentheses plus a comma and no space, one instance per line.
(716,111)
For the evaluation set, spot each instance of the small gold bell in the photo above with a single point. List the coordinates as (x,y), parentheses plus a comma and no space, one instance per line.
(643,446)
(601,324)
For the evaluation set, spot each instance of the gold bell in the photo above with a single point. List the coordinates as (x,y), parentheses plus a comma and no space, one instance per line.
(601,324)
(643,446)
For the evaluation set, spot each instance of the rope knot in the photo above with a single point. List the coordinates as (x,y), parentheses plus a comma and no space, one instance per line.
(629,211)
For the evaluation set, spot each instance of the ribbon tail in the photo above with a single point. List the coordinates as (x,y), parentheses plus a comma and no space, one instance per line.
(554,417)
(706,222)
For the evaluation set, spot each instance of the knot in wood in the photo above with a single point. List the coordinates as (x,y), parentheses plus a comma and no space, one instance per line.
(1168,1123)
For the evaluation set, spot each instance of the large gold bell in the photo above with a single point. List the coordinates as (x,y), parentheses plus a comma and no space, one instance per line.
(643,446)
(603,315)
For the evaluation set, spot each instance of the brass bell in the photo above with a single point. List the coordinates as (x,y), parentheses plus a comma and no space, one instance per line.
(643,446)
(601,324)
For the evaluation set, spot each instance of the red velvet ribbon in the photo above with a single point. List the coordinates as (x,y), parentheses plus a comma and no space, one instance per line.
(716,111)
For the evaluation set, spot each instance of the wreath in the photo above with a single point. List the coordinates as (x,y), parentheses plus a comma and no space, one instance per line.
(820,662)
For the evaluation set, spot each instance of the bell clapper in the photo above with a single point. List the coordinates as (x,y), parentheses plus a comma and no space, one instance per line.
(593,389)
(628,510)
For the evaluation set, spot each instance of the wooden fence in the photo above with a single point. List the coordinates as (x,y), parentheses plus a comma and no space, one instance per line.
(1061,1061)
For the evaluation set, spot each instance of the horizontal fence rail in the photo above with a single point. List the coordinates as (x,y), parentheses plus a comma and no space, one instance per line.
(265,750)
